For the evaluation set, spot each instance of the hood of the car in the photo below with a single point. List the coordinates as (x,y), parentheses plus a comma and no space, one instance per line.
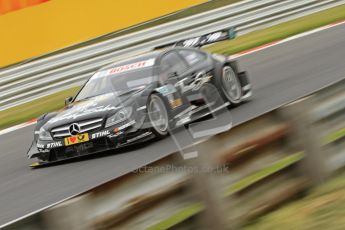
(94,107)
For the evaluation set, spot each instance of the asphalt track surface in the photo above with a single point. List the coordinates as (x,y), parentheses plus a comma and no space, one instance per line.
(279,74)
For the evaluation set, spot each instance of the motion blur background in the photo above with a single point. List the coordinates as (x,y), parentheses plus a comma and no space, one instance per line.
(280,167)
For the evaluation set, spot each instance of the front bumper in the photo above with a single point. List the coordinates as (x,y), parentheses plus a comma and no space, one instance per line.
(99,141)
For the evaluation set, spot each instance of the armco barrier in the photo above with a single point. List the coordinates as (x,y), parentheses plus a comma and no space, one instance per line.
(43,76)
(239,175)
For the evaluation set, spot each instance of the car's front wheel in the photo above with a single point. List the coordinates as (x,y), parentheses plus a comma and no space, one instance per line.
(158,116)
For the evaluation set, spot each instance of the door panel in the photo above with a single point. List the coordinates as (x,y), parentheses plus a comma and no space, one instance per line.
(172,69)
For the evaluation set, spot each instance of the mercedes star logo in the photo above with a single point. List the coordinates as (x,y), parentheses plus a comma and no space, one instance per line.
(74,129)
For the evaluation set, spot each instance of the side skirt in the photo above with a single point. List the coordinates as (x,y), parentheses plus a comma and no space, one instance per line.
(188,119)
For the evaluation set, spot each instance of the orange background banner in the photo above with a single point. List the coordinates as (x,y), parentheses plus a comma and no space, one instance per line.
(43,28)
(7,6)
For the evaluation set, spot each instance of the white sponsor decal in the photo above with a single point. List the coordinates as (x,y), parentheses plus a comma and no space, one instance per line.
(202,40)
(100,134)
(44,150)
(124,68)
(54,145)
(40,146)
(199,80)
(82,111)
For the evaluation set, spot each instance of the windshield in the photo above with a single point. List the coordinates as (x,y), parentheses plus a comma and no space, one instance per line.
(119,83)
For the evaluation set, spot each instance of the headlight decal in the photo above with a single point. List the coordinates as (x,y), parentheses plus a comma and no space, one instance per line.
(120,116)
(44,135)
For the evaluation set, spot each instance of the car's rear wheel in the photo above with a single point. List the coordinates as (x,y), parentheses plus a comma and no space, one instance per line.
(158,116)
(231,86)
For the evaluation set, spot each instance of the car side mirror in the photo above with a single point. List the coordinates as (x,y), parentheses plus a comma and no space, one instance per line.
(172,75)
(68,100)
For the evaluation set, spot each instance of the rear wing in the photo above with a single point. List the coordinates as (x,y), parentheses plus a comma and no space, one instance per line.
(203,40)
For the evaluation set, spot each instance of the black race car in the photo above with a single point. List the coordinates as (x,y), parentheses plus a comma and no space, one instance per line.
(138,99)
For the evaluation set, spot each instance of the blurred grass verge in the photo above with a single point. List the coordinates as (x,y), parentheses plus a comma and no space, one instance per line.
(323,208)
(283,30)
(34,109)
(239,186)
(264,173)
(30,110)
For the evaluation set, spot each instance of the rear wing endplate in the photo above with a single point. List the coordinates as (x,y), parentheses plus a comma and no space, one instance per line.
(203,40)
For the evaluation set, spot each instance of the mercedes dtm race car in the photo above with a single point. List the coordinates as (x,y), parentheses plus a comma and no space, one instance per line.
(139,99)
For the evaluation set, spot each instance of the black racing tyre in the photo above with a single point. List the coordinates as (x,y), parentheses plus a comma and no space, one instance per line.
(229,86)
(158,116)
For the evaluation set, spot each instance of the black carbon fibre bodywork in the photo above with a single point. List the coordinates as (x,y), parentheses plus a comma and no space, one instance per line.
(181,91)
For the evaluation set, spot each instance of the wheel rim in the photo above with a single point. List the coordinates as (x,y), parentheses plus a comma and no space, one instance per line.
(231,85)
(158,115)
